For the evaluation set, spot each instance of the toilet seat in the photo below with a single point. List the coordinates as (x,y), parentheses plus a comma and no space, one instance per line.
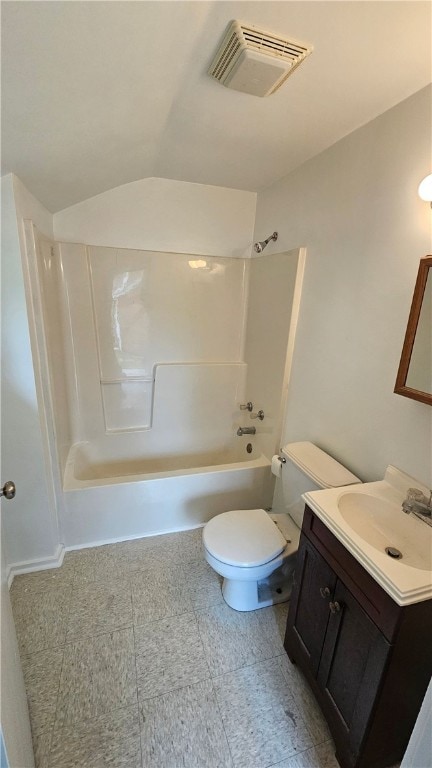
(244,538)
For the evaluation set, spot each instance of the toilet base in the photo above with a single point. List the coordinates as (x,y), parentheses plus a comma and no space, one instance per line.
(247,588)
(251,595)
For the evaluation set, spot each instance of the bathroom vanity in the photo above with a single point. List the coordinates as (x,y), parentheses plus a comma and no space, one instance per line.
(366,656)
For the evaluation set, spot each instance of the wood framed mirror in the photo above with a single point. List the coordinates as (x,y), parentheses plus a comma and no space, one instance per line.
(414,378)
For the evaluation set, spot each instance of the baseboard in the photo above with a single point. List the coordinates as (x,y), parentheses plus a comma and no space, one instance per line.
(41,564)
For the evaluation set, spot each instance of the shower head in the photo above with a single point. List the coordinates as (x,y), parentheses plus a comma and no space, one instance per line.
(259,247)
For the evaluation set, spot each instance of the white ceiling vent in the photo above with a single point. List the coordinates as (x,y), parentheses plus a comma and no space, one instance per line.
(254,61)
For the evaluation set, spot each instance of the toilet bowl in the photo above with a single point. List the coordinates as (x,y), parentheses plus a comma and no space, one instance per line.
(254,550)
(255,554)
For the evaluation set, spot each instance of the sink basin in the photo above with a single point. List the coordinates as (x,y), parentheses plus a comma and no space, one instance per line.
(367,519)
(383,524)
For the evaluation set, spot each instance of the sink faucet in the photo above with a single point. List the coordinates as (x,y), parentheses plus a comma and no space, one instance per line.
(417,503)
(246,431)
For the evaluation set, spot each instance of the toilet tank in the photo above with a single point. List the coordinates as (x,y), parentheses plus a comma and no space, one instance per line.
(308,468)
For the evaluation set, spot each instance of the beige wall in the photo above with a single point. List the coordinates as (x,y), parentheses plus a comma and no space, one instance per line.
(163,215)
(355,207)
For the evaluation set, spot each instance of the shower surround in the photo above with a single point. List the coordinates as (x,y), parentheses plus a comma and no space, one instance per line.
(146,369)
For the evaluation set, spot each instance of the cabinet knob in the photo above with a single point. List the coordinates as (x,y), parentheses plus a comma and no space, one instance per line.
(324,592)
(334,607)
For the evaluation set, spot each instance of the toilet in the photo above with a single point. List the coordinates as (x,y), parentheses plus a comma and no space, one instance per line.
(255,550)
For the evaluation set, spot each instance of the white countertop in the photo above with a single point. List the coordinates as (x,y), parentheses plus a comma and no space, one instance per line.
(403,582)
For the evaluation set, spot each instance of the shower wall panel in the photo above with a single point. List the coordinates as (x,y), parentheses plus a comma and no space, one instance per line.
(51,290)
(271,293)
(209,408)
(157,340)
(86,405)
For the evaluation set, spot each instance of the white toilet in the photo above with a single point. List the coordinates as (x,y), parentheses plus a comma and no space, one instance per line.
(255,550)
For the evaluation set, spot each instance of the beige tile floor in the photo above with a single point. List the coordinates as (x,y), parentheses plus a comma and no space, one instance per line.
(132,659)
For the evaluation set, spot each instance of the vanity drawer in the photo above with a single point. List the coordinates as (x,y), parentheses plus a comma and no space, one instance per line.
(379,606)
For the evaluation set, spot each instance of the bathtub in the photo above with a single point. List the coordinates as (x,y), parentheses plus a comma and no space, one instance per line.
(110,499)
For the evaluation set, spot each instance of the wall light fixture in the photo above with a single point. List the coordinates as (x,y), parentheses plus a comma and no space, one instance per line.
(425,189)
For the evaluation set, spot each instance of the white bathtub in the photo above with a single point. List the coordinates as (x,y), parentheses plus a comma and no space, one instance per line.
(110,499)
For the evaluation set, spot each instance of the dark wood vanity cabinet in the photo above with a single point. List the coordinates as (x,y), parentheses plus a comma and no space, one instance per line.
(367,659)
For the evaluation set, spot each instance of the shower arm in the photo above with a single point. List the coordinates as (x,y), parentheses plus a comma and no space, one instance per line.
(259,247)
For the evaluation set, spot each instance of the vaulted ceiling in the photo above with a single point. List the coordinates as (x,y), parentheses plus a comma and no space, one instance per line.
(98,94)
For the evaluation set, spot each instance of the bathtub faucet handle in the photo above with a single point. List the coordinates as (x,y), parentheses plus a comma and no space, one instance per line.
(246,406)
(259,415)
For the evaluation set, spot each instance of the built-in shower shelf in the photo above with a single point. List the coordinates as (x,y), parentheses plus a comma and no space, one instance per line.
(209,390)
(127,378)
(127,404)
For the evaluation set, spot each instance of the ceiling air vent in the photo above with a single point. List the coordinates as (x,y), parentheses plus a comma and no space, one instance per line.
(254,61)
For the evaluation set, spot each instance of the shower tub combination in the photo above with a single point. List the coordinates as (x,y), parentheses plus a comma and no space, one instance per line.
(147,358)
(109,499)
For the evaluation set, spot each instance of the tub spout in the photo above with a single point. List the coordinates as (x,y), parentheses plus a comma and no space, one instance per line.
(246,431)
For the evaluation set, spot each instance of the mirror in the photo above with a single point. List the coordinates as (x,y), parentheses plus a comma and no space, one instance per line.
(414,378)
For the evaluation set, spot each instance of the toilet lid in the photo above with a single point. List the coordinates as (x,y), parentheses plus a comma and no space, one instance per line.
(243,537)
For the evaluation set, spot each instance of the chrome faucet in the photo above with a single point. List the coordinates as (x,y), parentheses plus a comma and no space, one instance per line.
(246,431)
(417,503)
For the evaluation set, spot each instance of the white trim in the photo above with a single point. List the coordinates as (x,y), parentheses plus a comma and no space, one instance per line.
(41,564)
(44,564)
(33,293)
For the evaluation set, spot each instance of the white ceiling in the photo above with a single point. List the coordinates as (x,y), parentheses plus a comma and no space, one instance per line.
(97,94)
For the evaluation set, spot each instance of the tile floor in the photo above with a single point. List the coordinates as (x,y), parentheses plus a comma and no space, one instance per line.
(132,659)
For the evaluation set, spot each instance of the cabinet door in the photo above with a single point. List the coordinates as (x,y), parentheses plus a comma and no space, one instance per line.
(352,665)
(309,612)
